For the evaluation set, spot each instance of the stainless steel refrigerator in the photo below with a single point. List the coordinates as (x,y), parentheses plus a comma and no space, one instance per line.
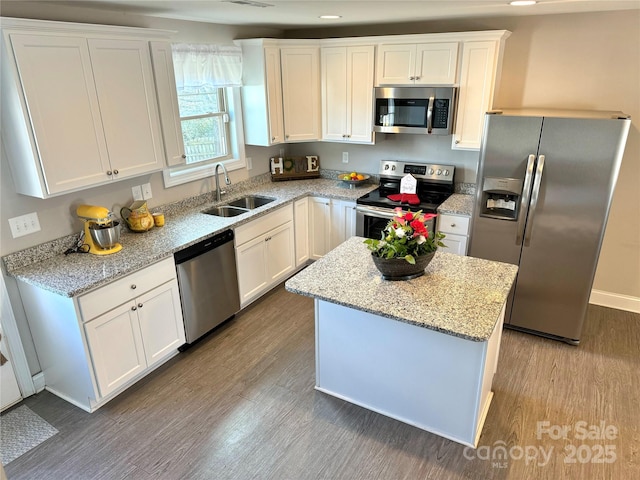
(544,189)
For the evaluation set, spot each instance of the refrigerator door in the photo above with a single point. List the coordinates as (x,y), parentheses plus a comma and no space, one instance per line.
(508,144)
(564,229)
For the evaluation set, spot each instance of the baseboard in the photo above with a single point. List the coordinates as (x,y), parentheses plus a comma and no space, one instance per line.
(38,382)
(615,300)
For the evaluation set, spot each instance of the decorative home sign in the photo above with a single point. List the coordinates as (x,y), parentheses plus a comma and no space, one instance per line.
(294,168)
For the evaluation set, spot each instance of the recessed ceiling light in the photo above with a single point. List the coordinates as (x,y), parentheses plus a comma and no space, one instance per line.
(522,3)
(329,17)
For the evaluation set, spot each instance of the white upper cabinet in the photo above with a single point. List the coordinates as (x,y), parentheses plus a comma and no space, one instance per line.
(261,92)
(164,75)
(417,64)
(301,93)
(479,73)
(347,93)
(79,108)
(280,91)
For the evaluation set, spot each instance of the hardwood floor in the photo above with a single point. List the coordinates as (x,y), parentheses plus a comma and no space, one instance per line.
(241,405)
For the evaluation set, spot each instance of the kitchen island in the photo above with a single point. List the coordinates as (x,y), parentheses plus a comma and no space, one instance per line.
(422,351)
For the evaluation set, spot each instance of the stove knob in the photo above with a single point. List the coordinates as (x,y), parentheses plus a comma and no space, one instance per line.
(393,167)
(386,167)
(431,171)
(439,172)
(446,173)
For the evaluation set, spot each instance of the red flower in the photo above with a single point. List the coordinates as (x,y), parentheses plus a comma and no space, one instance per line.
(408,216)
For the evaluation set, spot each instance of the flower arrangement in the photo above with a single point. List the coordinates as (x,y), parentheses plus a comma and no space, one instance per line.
(406,236)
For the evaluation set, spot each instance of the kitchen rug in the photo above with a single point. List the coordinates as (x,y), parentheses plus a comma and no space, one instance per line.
(21,430)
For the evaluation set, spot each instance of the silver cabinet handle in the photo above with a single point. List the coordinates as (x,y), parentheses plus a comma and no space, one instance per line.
(412,78)
(534,199)
(453,225)
(109,172)
(134,308)
(140,305)
(184,156)
(417,78)
(115,172)
(133,286)
(524,200)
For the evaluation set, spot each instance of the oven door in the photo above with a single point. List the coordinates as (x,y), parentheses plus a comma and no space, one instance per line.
(371,221)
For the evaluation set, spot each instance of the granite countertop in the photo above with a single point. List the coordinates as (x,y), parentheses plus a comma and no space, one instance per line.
(461,296)
(45,266)
(458,204)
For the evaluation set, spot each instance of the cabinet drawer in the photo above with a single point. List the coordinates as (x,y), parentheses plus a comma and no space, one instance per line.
(453,224)
(263,224)
(120,291)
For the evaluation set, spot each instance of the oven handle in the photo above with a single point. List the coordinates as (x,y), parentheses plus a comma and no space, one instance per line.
(376,211)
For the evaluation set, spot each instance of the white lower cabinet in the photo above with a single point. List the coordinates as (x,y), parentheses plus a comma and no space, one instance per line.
(265,253)
(331,222)
(456,229)
(301,229)
(94,346)
(135,336)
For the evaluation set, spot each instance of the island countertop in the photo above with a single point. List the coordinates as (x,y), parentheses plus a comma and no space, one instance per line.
(460,296)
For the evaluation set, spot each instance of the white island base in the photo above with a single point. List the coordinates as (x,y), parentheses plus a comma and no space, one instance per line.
(435,381)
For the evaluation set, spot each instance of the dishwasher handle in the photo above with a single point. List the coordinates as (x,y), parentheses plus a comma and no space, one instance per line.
(203,246)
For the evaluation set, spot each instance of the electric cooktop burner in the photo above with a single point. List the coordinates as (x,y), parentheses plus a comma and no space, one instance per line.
(435,185)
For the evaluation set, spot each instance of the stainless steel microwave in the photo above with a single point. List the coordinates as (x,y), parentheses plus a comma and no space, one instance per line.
(423,110)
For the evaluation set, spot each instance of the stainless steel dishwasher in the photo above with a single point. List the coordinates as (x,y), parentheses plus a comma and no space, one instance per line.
(208,282)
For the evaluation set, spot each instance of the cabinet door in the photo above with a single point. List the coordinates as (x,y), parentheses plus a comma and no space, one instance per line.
(280,253)
(62,105)
(360,65)
(165,81)
(161,325)
(436,63)
(274,94)
(475,97)
(334,93)
(127,97)
(396,64)
(343,221)
(455,244)
(319,227)
(253,279)
(115,345)
(301,93)
(301,230)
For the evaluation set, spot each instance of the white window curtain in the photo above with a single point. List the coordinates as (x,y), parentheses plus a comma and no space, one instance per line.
(211,65)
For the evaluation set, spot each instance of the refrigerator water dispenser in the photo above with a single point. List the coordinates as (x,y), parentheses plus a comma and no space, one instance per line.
(501,198)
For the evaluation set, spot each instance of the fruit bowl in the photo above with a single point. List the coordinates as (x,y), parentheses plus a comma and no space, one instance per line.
(351,181)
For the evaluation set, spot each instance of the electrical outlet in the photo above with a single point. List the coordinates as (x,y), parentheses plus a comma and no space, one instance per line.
(24,225)
(345,157)
(249,162)
(137,192)
(146,191)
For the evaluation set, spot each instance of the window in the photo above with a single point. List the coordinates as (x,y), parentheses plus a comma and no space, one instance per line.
(208,78)
(205,123)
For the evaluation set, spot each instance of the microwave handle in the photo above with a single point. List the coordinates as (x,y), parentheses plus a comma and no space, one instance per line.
(430,115)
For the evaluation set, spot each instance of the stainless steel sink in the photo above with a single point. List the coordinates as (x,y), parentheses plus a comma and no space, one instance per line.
(251,202)
(226,211)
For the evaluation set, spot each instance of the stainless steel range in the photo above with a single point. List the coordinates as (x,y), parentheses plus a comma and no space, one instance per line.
(434,186)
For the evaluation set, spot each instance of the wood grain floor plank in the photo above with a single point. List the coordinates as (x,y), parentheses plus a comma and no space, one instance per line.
(241,405)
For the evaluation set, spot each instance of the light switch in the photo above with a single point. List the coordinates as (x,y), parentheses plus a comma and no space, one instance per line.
(24,225)
(249,162)
(345,157)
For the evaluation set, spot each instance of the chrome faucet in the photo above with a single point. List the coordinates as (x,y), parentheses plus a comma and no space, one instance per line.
(226,179)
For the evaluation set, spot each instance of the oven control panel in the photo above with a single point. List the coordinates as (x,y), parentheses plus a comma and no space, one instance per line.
(433,172)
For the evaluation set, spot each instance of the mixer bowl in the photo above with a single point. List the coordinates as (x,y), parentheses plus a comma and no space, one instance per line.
(105,235)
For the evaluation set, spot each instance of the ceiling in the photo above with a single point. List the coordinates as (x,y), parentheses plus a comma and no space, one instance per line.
(287,14)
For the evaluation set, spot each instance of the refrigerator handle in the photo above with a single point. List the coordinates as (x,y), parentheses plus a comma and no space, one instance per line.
(524,201)
(534,199)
